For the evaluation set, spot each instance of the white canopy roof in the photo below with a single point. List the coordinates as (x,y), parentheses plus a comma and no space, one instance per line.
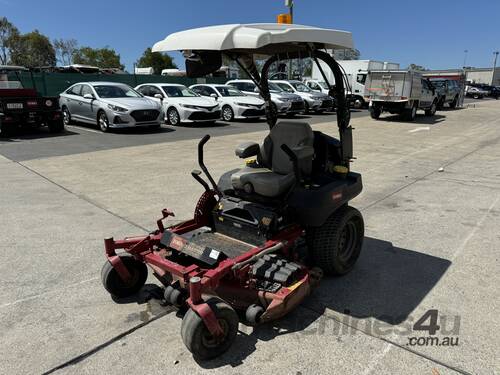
(259,38)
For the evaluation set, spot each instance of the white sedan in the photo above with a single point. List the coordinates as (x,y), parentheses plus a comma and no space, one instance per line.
(234,104)
(181,104)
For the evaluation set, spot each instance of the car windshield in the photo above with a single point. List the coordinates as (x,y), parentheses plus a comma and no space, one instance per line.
(116,91)
(229,91)
(300,87)
(8,82)
(273,87)
(284,86)
(178,92)
(438,83)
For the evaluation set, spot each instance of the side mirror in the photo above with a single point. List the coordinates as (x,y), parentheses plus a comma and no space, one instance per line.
(88,96)
(159,96)
(214,95)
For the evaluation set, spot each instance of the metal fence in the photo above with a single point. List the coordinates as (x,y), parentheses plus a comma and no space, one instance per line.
(52,84)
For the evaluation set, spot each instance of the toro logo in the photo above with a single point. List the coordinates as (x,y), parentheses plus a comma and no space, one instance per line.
(177,243)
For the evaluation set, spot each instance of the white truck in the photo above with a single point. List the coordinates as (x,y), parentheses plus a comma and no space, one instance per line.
(400,91)
(356,71)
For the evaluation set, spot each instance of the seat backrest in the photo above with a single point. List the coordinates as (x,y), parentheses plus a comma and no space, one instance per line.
(293,134)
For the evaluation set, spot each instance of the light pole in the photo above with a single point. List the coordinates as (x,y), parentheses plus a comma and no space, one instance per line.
(289,5)
(465,57)
(494,67)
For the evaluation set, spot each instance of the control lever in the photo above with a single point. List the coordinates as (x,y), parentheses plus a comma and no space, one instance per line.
(201,144)
(197,176)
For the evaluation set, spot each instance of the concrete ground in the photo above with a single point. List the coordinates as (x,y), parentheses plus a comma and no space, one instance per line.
(431,209)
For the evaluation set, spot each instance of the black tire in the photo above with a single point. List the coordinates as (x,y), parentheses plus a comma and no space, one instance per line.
(66,116)
(173,117)
(375,112)
(440,103)
(103,121)
(227,113)
(476,96)
(411,114)
(432,110)
(335,246)
(454,103)
(198,339)
(113,283)
(177,297)
(56,126)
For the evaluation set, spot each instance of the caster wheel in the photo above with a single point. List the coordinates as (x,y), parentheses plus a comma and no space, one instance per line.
(177,297)
(114,284)
(198,338)
(253,314)
(166,294)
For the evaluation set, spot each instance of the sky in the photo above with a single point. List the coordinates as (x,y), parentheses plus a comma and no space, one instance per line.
(433,34)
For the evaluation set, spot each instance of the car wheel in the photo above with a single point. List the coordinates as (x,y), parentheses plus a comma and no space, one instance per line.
(475,96)
(173,117)
(454,103)
(66,116)
(103,122)
(432,110)
(375,112)
(227,113)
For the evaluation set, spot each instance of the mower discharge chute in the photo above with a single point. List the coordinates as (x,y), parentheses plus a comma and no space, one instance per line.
(264,234)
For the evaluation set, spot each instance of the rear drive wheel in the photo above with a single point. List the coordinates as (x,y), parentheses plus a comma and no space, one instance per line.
(198,338)
(432,110)
(103,122)
(335,246)
(227,113)
(173,117)
(114,284)
(375,112)
(411,114)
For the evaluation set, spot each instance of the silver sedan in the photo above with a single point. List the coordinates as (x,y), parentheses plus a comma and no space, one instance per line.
(109,105)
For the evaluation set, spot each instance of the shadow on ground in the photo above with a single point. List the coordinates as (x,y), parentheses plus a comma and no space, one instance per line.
(420,119)
(387,284)
(20,134)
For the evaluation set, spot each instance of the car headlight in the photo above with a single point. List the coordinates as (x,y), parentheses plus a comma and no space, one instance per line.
(48,103)
(117,108)
(243,104)
(285,100)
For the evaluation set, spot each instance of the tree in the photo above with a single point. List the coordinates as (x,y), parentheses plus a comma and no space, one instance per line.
(65,49)
(156,60)
(100,57)
(32,49)
(7,33)
(416,67)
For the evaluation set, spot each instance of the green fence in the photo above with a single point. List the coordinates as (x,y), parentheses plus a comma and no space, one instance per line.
(52,84)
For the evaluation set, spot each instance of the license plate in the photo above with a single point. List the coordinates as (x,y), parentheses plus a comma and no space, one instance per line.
(15,106)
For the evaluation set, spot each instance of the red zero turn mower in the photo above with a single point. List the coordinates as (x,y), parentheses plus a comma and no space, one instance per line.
(264,235)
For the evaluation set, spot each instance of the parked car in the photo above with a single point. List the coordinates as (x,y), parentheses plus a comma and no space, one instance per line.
(314,101)
(181,104)
(475,92)
(21,106)
(448,92)
(400,91)
(109,105)
(234,104)
(493,91)
(284,102)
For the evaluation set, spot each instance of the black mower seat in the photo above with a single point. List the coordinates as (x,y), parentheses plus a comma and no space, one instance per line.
(273,173)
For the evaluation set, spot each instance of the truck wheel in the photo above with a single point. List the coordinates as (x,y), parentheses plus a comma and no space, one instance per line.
(411,114)
(56,126)
(375,113)
(198,338)
(454,103)
(432,110)
(335,246)
(114,284)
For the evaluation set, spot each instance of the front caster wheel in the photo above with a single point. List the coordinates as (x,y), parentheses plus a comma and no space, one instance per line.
(198,338)
(114,284)
(335,246)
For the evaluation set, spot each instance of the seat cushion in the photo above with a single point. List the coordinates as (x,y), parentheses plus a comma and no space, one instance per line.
(264,181)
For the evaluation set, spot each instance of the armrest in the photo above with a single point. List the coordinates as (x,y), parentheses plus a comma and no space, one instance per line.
(247,149)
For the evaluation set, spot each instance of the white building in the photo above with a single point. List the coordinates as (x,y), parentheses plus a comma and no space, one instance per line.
(483,75)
